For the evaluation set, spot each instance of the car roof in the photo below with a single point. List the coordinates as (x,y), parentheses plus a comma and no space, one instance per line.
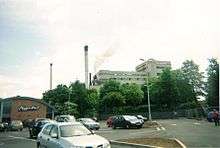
(65,123)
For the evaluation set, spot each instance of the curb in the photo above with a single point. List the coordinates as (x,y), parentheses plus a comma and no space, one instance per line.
(132,144)
(180,143)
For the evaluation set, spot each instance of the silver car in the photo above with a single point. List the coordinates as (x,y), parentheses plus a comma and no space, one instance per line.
(69,135)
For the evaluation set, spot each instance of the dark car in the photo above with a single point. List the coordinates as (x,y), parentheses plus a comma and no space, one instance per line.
(2,127)
(89,123)
(36,128)
(126,121)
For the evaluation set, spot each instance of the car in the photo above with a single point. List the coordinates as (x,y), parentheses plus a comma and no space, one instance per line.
(141,118)
(126,121)
(109,121)
(65,118)
(15,125)
(210,116)
(37,127)
(28,122)
(2,127)
(69,135)
(89,123)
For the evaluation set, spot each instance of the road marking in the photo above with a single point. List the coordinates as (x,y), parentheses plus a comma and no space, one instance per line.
(173,124)
(158,128)
(163,128)
(23,138)
(196,123)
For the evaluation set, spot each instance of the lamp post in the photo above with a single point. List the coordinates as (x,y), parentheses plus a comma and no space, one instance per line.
(148,93)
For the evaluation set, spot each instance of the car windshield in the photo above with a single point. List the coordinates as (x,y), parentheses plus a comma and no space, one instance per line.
(130,118)
(73,130)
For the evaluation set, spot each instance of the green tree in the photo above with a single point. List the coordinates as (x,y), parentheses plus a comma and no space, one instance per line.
(109,86)
(193,76)
(164,91)
(114,99)
(212,86)
(93,103)
(59,97)
(132,93)
(78,96)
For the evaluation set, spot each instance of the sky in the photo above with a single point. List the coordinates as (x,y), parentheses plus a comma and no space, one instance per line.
(34,33)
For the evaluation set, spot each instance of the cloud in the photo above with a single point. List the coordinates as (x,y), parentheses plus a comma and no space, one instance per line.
(118,34)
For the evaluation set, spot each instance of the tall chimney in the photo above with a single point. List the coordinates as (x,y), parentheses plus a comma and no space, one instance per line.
(51,64)
(86,67)
(90,79)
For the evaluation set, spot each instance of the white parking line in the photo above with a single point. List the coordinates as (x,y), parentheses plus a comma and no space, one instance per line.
(23,138)
(173,124)
(163,128)
(158,128)
(196,123)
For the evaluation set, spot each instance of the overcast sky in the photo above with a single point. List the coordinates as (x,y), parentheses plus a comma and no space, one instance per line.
(34,33)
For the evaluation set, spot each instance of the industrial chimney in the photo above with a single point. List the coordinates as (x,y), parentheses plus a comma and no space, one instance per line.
(86,67)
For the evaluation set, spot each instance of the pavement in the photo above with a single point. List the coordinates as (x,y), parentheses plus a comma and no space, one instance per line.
(191,132)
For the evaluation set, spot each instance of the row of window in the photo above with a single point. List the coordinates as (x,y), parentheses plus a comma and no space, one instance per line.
(138,79)
(121,74)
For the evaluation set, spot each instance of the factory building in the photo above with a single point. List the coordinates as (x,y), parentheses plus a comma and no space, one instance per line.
(153,67)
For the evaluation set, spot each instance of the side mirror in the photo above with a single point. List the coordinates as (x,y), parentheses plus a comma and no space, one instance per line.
(92,131)
(54,135)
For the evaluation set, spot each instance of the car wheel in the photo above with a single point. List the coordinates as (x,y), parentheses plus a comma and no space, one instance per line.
(21,129)
(113,126)
(38,145)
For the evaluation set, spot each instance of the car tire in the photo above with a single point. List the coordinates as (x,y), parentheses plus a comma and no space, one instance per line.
(21,129)
(113,126)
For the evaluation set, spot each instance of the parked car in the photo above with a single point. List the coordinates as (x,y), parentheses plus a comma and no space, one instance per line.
(141,118)
(210,116)
(16,125)
(126,121)
(89,123)
(109,121)
(65,118)
(2,127)
(69,135)
(28,123)
(37,127)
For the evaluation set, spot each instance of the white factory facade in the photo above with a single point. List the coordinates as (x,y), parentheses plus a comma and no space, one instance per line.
(151,67)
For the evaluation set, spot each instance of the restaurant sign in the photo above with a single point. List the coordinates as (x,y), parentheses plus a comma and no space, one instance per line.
(28,108)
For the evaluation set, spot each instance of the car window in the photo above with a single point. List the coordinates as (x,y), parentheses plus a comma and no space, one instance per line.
(73,130)
(54,130)
(47,129)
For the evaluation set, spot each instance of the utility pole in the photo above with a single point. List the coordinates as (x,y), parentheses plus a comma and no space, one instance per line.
(148,92)
(51,64)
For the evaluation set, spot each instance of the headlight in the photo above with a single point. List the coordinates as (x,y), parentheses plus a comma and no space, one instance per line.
(107,145)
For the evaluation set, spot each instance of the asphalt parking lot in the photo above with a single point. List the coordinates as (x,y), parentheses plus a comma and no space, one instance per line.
(191,132)
(22,140)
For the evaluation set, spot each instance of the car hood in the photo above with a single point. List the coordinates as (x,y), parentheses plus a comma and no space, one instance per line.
(87,140)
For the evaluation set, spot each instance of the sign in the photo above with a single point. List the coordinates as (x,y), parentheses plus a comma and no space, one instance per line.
(28,108)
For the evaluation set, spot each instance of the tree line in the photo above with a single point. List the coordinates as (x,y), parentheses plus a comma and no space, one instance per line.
(170,91)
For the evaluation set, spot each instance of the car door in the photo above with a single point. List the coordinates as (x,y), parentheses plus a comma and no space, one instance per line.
(53,142)
(45,135)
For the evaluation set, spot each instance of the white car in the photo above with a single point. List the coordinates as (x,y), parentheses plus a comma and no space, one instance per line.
(69,135)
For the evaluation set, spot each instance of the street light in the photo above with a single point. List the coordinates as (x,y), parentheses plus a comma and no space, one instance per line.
(148,93)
